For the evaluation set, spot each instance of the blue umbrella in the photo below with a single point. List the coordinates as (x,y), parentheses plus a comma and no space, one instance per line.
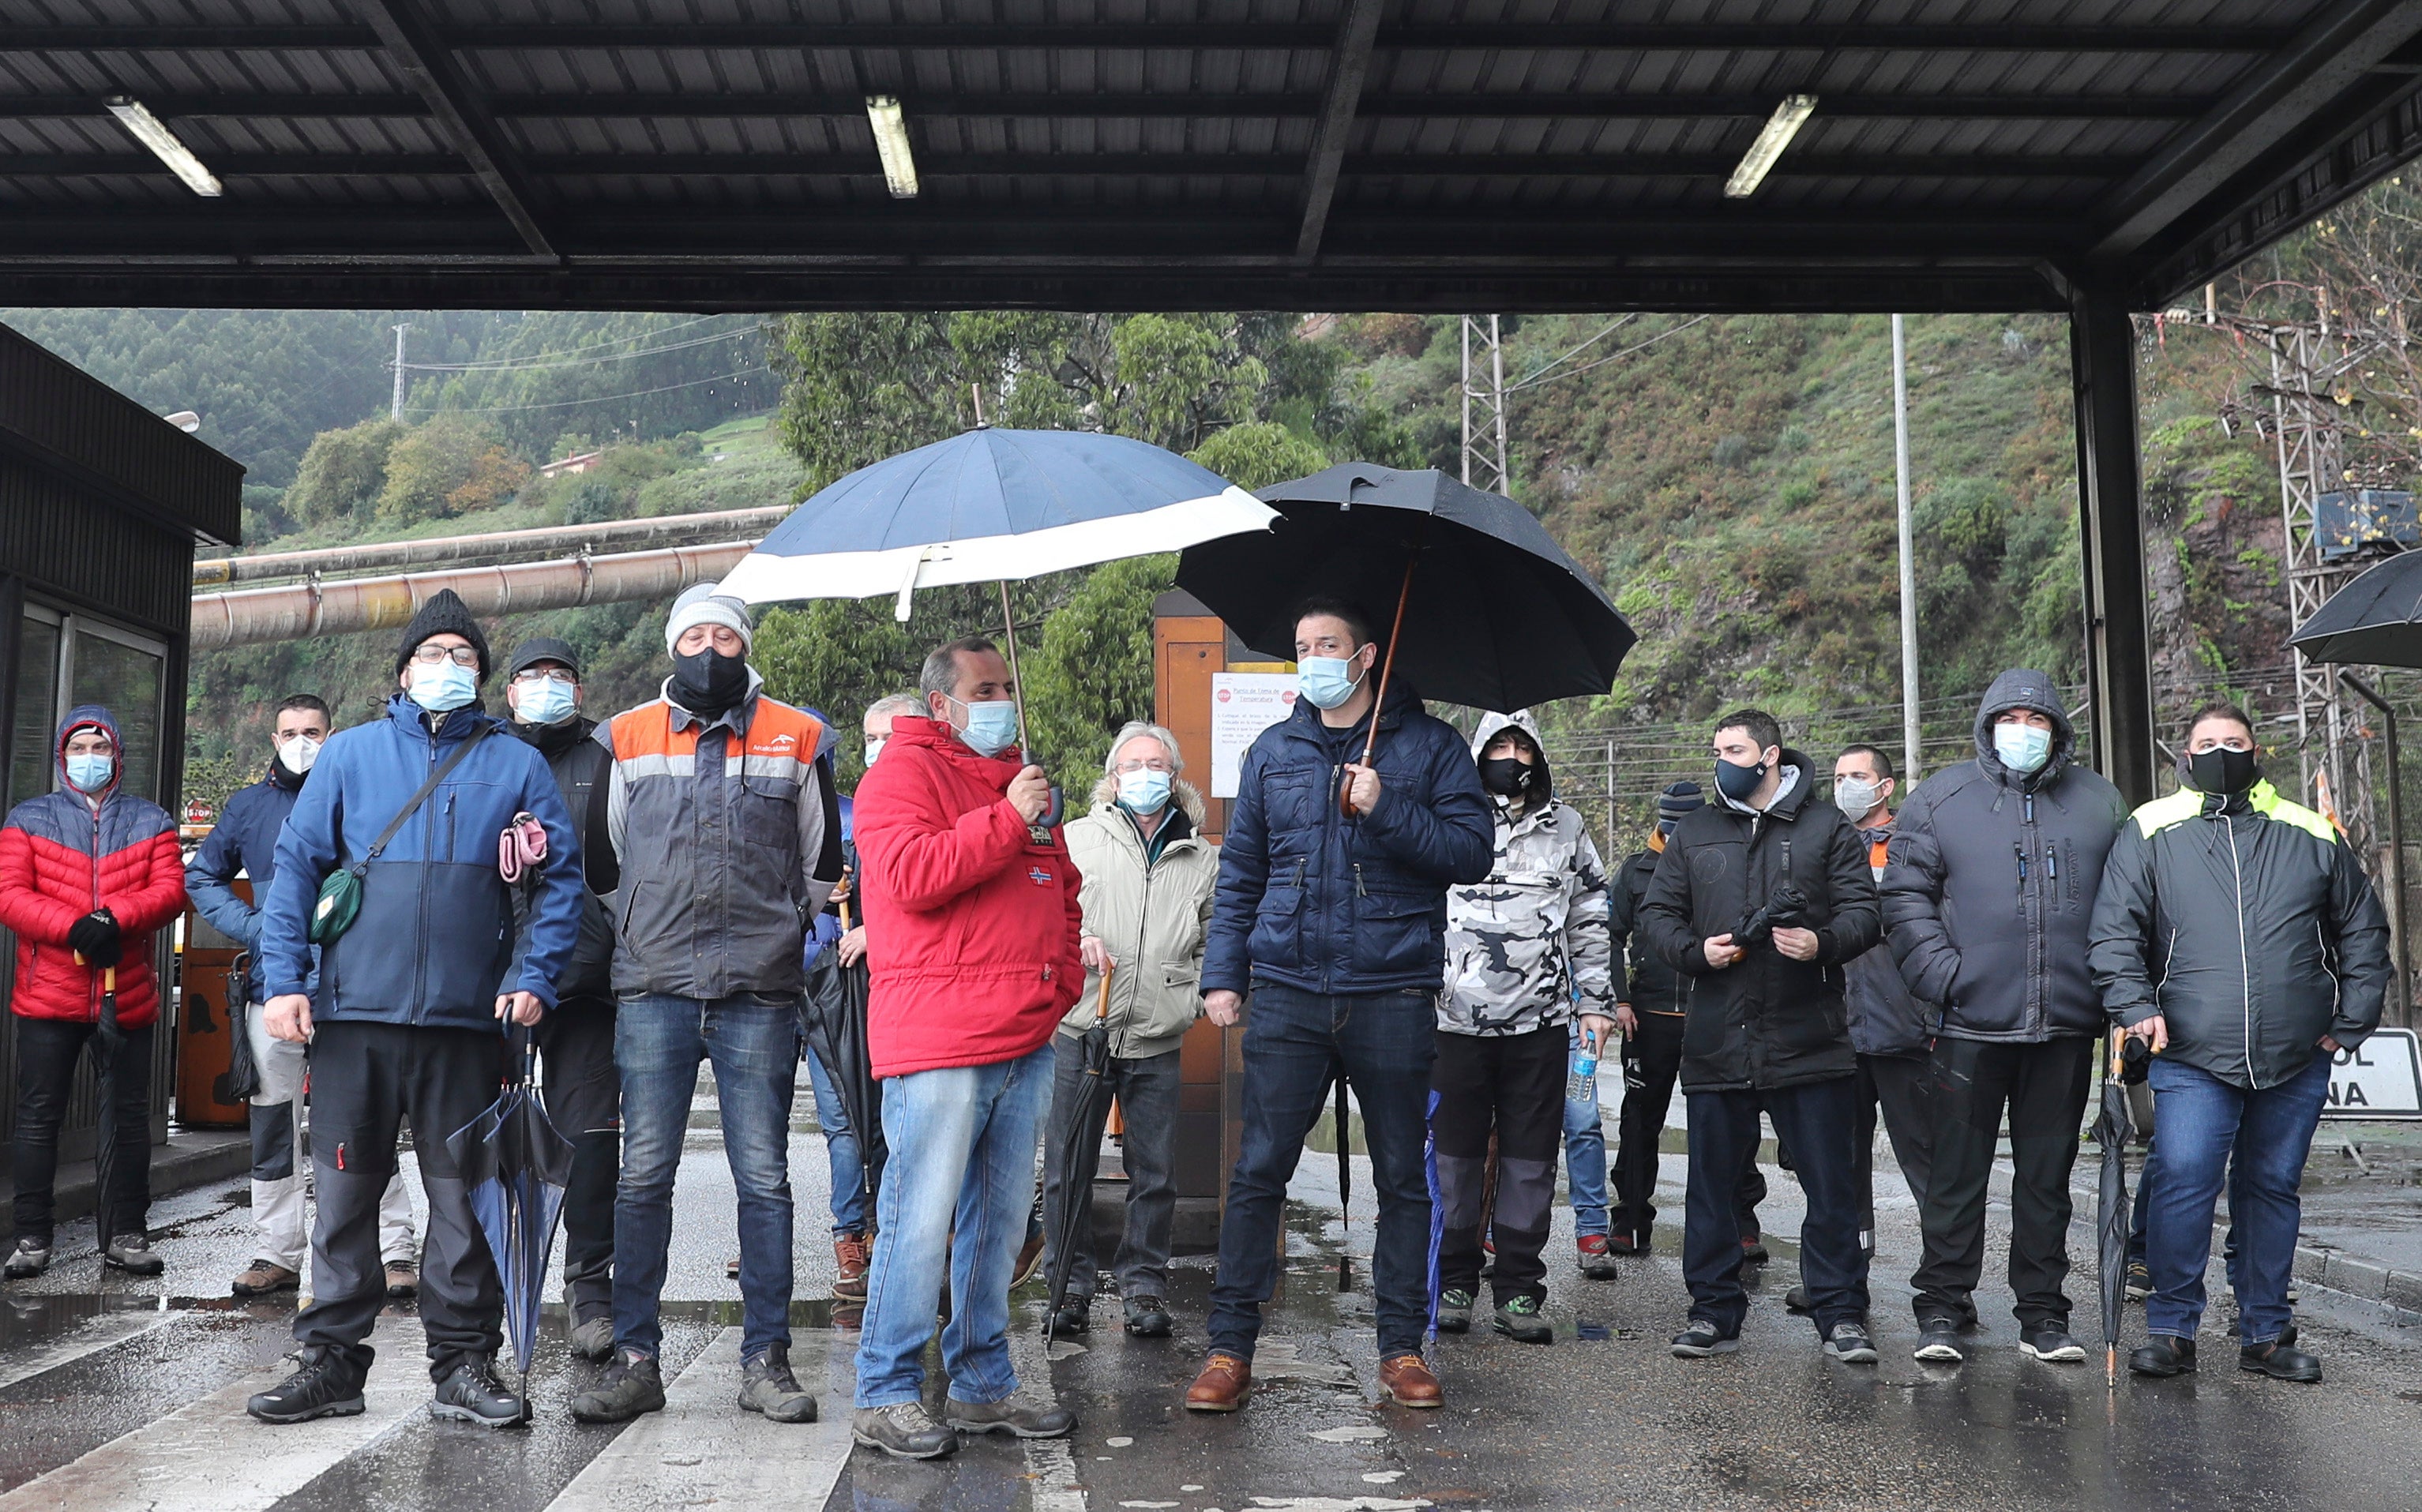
(514,1166)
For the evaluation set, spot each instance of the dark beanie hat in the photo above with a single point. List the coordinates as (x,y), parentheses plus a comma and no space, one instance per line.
(1677,800)
(444,613)
(543,648)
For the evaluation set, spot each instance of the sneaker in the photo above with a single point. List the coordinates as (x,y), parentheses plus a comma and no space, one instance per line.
(262,1277)
(767,1387)
(1700,1340)
(2162,1356)
(2140,1281)
(1075,1317)
(1597,1257)
(1006,1416)
(30,1258)
(852,1254)
(1851,1344)
(594,1338)
(1517,1318)
(131,1253)
(2280,1360)
(1030,1260)
(1796,1300)
(1455,1311)
(472,1393)
(903,1430)
(1147,1319)
(1938,1342)
(403,1280)
(1621,1242)
(636,1384)
(323,1387)
(2050,1341)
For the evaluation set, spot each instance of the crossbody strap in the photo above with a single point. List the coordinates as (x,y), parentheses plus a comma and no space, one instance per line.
(413,803)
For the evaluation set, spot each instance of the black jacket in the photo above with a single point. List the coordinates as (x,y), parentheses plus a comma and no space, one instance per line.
(1766,1021)
(1652,987)
(582,769)
(1885,1017)
(244,840)
(1989,891)
(2247,926)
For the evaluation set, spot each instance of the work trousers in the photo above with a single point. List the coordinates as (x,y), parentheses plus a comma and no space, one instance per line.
(1512,1086)
(1816,1119)
(281,1229)
(1147,1091)
(1652,1060)
(583,1095)
(2041,1088)
(1903,1087)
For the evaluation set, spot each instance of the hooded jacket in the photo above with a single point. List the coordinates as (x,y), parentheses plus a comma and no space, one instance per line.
(61,856)
(2248,927)
(1885,1018)
(1522,943)
(243,841)
(1150,911)
(1989,890)
(583,773)
(1649,986)
(1765,1022)
(971,914)
(1326,903)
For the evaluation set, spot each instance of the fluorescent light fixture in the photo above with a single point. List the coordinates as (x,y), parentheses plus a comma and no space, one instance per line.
(892,144)
(1780,129)
(153,132)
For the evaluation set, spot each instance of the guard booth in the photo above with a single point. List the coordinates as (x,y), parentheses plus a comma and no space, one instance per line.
(102,503)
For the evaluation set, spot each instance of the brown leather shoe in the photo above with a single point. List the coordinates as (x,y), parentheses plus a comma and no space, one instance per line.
(1222,1387)
(852,1254)
(1405,1380)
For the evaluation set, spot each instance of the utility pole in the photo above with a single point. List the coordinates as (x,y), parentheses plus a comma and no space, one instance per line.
(1908,730)
(395,410)
(1484,410)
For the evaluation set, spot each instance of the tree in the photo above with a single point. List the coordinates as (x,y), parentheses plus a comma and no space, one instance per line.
(437,470)
(1092,673)
(1258,454)
(342,474)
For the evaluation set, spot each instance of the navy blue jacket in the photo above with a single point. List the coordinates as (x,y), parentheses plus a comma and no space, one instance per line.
(1319,901)
(244,839)
(434,937)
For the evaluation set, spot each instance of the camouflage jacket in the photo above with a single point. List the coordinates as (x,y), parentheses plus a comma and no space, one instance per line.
(1523,945)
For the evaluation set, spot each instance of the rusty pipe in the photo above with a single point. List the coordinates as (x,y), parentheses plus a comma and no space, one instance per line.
(720,525)
(252,617)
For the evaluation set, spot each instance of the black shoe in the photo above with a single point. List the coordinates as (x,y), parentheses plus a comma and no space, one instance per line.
(1938,1342)
(1700,1340)
(1077,1318)
(323,1387)
(2050,1341)
(1797,1299)
(1850,1344)
(131,1253)
(1147,1319)
(30,1258)
(1754,1251)
(1517,1318)
(2164,1356)
(472,1393)
(2140,1281)
(1621,1242)
(1455,1311)
(767,1387)
(2280,1360)
(634,1385)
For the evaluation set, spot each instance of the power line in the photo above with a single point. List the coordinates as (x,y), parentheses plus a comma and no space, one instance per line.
(599,399)
(1614,357)
(562,360)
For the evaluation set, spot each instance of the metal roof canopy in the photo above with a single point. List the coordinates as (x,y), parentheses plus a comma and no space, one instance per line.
(1122,154)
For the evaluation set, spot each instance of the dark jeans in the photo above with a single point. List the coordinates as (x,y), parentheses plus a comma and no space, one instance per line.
(1652,1060)
(2139,1209)
(1295,1043)
(1147,1092)
(365,1079)
(1816,1119)
(1512,1086)
(1903,1087)
(47,1050)
(2042,1087)
(584,1099)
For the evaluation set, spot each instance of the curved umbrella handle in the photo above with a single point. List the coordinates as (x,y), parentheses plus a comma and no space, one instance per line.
(1102,998)
(1379,701)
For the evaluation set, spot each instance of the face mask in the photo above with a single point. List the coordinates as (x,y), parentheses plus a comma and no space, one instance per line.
(1857,798)
(1508,776)
(1144,792)
(1327,680)
(1739,782)
(546,702)
(992,727)
(2023,748)
(91,773)
(874,748)
(443,688)
(2223,771)
(296,755)
(707,682)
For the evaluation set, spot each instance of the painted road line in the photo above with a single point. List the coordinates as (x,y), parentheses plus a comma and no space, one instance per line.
(702,1448)
(97,1333)
(1053,1465)
(207,1454)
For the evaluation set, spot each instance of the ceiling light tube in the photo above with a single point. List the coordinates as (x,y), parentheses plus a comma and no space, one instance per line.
(1760,161)
(891,145)
(154,134)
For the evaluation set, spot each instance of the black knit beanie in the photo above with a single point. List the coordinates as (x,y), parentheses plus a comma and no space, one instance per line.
(1679,799)
(443,614)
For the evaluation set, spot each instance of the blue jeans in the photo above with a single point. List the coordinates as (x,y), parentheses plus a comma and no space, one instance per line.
(1295,1043)
(2201,1119)
(1585,1158)
(754,1046)
(840,1152)
(959,1184)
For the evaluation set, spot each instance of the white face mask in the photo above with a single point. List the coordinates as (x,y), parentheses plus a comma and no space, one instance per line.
(874,748)
(298,753)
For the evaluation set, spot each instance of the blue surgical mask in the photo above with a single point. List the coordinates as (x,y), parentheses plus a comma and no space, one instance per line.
(443,688)
(2023,748)
(874,748)
(546,702)
(1327,680)
(1143,791)
(992,727)
(91,773)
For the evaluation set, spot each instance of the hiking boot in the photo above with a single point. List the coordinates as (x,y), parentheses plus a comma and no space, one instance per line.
(1030,1260)
(1222,1386)
(472,1393)
(1850,1344)
(1076,1316)
(2162,1356)
(2280,1360)
(903,1430)
(2050,1341)
(1455,1311)
(767,1387)
(1517,1318)
(1700,1339)
(1598,1256)
(1938,1342)
(403,1280)
(594,1338)
(852,1254)
(636,1384)
(2140,1281)
(1796,1300)
(1006,1416)
(1407,1381)
(131,1253)
(30,1258)
(321,1387)
(262,1277)
(1147,1319)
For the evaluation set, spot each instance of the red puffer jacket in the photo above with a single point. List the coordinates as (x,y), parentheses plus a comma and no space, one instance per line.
(60,859)
(970,923)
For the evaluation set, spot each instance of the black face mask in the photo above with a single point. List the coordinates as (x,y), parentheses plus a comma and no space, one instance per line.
(1508,776)
(1739,782)
(2220,771)
(708,683)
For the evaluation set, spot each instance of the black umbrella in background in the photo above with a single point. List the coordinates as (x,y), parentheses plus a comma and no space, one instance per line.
(2112,1129)
(832,1013)
(514,1166)
(1080,1152)
(2375,619)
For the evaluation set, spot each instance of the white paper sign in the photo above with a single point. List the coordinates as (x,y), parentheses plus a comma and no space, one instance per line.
(1243,705)
(2380,1078)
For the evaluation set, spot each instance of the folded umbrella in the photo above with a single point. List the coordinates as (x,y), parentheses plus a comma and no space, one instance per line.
(107,1039)
(1080,1151)
(832,1016)
(515,1167)
(2376,619)
(2111,1128)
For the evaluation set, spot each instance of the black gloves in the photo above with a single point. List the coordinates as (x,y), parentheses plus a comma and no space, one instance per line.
(96,938)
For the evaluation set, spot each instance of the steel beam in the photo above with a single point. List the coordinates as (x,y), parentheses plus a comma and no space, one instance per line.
(417,52)
(1348,64)
(2111,542)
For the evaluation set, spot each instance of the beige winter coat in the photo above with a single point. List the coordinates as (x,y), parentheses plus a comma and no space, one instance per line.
(1152,919)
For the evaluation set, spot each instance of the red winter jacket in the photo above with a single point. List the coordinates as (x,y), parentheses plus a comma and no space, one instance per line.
(970,923)
(60,859)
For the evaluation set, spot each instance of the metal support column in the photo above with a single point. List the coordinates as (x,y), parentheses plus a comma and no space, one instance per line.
(2119,636)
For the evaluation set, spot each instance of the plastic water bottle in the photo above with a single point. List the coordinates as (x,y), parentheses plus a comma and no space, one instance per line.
(1582,1085)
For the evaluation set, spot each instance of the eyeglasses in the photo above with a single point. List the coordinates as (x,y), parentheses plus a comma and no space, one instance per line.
(533,676)
(428,655)
(1153,764)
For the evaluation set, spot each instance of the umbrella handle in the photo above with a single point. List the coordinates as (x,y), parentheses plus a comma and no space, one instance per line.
(1102,998)
(1387,666)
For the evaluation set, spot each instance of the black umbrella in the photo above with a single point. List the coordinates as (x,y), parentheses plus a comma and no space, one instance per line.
(1081,1152)
(108,1040)
(514,1166)
(833,1015)
(2111,1128)
(2376,619)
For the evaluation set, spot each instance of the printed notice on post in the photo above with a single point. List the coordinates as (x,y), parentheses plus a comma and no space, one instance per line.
(1243,705)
